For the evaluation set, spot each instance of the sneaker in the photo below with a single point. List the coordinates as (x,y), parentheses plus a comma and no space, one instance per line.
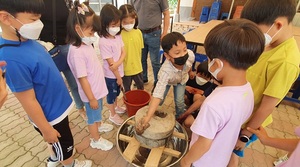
(281,160)
(104,127)
(101,144)
(120,110)
(116,119)
(52,163)
(85,163)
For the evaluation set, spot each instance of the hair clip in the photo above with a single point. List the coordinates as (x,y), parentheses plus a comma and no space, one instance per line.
(82,9)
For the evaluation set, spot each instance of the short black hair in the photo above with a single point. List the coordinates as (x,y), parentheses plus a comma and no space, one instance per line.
(75,17)
(238,41)
(267,11)
(19,6)
(202,68)
(129,11)
(109,13)
(171,39)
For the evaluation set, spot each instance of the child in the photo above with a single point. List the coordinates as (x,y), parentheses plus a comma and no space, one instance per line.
(133,44)
(276,69)
(87,70)
(223,112)
(3,91)
(174,71)
(34,79)
(291,145)
(113,53)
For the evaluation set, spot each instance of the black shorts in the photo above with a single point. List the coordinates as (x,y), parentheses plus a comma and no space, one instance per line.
(64,148)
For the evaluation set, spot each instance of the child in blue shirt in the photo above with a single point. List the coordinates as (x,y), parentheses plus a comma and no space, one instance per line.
(34,79)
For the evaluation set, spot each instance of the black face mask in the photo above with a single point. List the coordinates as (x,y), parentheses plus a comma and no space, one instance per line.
(181,60)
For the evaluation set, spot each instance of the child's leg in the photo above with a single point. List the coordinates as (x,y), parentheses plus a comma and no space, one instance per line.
(127,81)
(187,125)
(179,99)
(138,79)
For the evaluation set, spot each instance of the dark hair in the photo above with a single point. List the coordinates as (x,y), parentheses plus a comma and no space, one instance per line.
(75,17)
(129,11)
(267,11)
(239,41)
(109,13)
(18,6)
(202,68)
(171,39)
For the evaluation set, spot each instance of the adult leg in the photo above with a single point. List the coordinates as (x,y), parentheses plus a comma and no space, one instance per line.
(144,58)
(165,94)
(154,40)
(179,99)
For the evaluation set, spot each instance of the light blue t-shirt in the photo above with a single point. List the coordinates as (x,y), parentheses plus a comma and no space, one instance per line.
(29,66)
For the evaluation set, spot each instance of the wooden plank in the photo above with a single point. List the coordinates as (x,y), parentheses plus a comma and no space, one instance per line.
(154,157)
(124,138)
(131,149)
(179,135)
(130,122)
(171,152)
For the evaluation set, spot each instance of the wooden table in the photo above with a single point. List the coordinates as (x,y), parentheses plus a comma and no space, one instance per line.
(198,35)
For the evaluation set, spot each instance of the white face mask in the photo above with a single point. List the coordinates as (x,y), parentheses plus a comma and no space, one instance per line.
(201,81)
(113,30)
(87,40)
(128,27)
(31,30)
(268,38)
(215,73)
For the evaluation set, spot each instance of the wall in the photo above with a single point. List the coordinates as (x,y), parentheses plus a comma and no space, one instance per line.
(198,4)
(185,10)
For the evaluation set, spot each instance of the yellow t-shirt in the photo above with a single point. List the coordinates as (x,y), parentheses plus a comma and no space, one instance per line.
(274,73)
(133,44)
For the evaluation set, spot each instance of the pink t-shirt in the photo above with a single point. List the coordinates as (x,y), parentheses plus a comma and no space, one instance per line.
(83,61)
(220,119)
(294,160)
(111,48)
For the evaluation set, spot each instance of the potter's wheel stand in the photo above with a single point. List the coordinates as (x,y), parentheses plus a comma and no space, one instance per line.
(140,155)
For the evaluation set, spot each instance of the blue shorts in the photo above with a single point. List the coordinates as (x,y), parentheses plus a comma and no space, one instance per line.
(93,115)
(113,90)
(240,153)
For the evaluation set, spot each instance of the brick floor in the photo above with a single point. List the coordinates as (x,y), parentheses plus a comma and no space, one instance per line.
(22,146)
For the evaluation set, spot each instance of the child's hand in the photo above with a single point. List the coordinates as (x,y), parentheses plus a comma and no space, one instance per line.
(141,125)
(94,104)
(51,136)
(183,163)
(113,67)
(240,145)
(181,118)
(192,74)
(260,133)
(119,81)
(3,91)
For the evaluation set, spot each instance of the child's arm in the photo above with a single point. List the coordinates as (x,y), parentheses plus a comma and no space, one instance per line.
(266,107)
(284,144)
(88,92)
(115,65)
(110,61)
(198,149)
(34,110)
(196,105)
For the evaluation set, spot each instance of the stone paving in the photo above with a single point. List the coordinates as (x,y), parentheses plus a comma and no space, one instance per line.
(22,146)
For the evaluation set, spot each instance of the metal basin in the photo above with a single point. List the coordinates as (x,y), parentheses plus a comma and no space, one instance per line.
(142,153)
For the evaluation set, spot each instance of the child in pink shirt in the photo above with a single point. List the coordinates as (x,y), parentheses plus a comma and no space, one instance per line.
(216,128)
(113,53)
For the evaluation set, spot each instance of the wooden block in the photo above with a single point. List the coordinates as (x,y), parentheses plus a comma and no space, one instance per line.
(154,157)
(124,138)
(171,152)
(179,135)
(131,149)
(130,122)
